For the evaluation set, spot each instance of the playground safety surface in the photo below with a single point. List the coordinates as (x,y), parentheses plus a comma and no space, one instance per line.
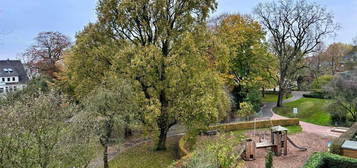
(295,157)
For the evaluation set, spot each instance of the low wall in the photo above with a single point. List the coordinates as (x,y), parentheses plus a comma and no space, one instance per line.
(258,124)
(349,153)
(239,126)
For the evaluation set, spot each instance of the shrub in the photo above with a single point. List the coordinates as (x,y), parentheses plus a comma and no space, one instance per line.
(318,94)
(337,143)
(254,97)
(246,109)
(338,114)
(269,160)
(221,153)
(321,81)
(324,160)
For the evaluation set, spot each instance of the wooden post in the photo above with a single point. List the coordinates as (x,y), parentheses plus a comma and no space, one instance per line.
(250,149)
(285,143)
(278,140)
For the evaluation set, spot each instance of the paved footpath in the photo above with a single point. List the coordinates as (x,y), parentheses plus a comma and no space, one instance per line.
(307,127)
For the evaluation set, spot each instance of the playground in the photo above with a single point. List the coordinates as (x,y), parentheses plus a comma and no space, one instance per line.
(295,157)
(299,146)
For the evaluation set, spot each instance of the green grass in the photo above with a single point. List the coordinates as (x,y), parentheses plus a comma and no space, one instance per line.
(143,156)
(310,110)
(272,98)
(294,129)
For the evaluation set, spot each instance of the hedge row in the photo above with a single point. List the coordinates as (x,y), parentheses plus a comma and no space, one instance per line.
(319,95)
(338,142)
(239,126)
(328,160)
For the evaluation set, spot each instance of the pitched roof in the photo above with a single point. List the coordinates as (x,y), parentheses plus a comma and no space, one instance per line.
(13,68)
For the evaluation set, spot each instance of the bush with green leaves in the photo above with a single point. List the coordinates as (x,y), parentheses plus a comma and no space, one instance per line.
(254,97)
(246,109)
(43,132)
(269,160)
(321,81)
(222,152)
(111,110)
(328,160)
(343,90)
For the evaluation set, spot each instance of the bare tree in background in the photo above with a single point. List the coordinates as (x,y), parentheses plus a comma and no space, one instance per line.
(47,50)
(296,28)
(315,61)
(334,54)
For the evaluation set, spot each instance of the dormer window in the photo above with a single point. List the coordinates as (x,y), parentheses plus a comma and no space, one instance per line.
(8,70)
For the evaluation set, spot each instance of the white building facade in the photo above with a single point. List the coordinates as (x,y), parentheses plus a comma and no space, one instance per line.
(13,76)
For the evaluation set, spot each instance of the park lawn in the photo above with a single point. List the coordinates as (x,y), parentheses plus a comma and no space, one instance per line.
(270,98)
(310,110)
(294,129)
(144,156)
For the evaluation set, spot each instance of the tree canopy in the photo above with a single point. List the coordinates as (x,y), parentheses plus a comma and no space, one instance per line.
(47,50)
(159,46)
(295,29)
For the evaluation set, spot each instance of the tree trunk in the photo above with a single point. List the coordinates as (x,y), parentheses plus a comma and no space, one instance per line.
(164,123)
(105,157)
(127,132)
(280,97)
(104,140)
(263,92)
(161,145)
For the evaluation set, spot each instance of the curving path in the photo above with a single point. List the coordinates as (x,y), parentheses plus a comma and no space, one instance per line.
(307,127)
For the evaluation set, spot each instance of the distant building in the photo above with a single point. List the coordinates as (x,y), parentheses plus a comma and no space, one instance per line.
(13,76)
(349,61)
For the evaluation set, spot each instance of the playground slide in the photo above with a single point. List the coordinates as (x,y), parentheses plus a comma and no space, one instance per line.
(298,147)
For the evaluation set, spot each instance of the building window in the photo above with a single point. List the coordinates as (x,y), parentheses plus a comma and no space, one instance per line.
(6,89)
(1,90)
(13,78)
(10,89)
(3,79)
(15,88)
(8,79)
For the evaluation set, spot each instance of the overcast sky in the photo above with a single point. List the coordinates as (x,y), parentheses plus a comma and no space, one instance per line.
(22,20)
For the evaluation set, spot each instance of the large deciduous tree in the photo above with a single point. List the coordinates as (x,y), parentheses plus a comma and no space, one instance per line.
(89,61)
(160,47)
(42,56)
(248,66)
(296,28)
